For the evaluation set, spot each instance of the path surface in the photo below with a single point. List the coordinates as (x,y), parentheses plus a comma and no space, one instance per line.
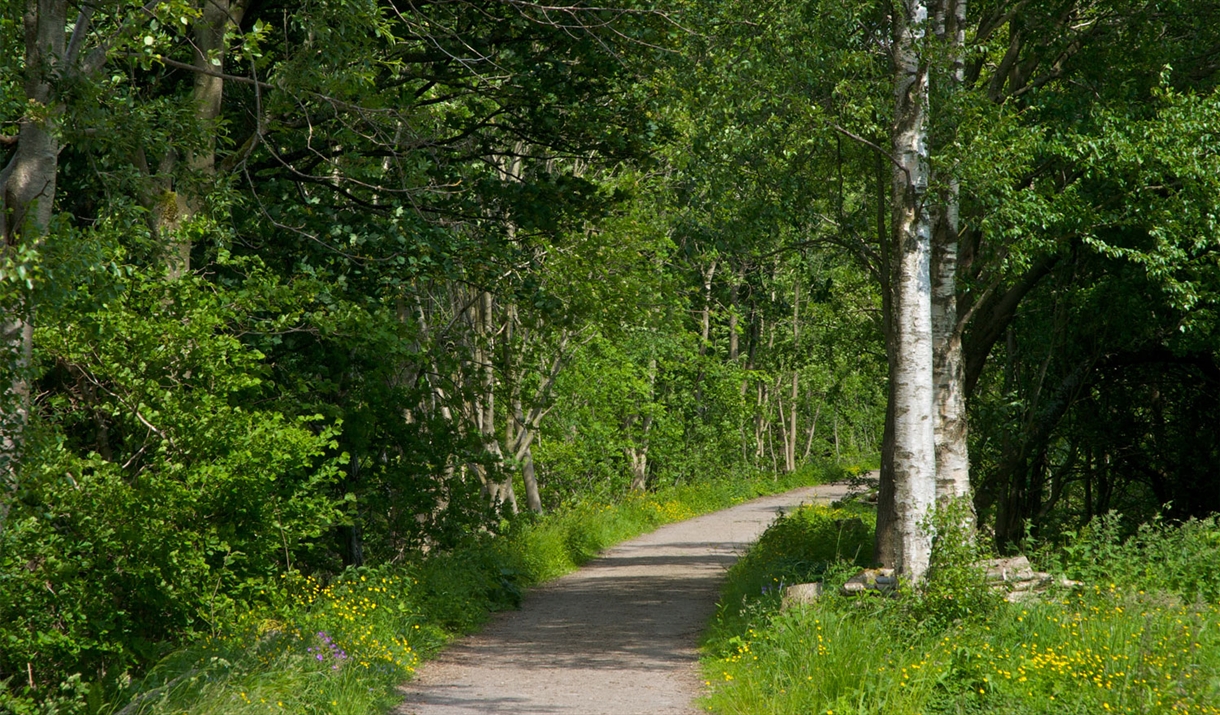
(617,637)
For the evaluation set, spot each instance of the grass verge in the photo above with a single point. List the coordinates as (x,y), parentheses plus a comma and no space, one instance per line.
(342,646)
(1134,639)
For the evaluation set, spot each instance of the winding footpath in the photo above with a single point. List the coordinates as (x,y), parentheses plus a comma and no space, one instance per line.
(618,637)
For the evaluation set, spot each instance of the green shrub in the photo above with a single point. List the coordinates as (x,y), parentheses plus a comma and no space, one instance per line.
(955,586)
(1181,558)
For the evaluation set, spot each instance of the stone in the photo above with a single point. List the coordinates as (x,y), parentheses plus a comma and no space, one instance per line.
(1017,578)
(800,594)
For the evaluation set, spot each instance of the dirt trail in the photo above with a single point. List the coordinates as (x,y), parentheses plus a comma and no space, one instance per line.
(617,637)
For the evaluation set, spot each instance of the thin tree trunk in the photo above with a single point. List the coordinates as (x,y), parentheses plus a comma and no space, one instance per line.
(790,446)
(733,348)
(1088,485)
(706,317)
(914,428)
(771,449)
(760,422)
(813,428)
(637,455)
(783,426)
(499,492)
(790,443)
(835,427)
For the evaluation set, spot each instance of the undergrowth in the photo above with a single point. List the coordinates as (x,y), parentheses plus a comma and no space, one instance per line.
(342,646)
(1141,635)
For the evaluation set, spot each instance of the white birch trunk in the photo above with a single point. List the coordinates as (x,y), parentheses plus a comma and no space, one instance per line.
(914,430)
(952,457)
(790,444)
(533,497)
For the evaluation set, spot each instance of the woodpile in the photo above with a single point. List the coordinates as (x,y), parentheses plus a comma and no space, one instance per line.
(1014,576)
(871,580)
(1018,580)
(800,594)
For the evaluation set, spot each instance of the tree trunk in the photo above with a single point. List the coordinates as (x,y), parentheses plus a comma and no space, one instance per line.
(914,429)
(706,316)
(790,442)
(499,492)
(216,19)
(952,459)
(637,455)
(813,428)
(533,498)
(27,200)
(761,424)
(790,445)
(733,348)
(885,543)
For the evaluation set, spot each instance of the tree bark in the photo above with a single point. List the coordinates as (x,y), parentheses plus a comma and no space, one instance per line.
(790,443)
(813,427)
(733,343)
(913,384)
(216,19)
(885,543)
(791,447)
(952,457)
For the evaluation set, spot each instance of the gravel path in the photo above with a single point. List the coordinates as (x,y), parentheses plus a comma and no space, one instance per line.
(617,637)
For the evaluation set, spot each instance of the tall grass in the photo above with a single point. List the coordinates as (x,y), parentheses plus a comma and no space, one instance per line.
(1133,645)
(342,646)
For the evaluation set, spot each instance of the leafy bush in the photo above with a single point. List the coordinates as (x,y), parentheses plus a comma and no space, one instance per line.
(955,585)
(165,507)
(1181,558)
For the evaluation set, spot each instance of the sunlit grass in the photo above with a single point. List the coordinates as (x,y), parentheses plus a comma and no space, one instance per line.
(1099,649)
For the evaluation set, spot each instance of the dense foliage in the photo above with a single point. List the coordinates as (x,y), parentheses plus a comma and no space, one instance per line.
(294,289)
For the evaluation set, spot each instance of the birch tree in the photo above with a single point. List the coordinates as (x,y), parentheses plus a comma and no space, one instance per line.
(952,460)
(914,456)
